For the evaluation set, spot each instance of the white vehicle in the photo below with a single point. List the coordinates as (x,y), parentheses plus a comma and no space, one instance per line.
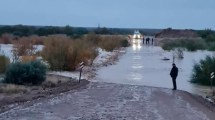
(137,35)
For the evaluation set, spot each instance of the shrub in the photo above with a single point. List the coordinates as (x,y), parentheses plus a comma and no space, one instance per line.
(64,53)
(191,45)
(202,70)
(79,51)
(36,40)
(31,73)
(211,46)
(22,47)
(4,61)
(93,39)
(55,51)
(6,38)
(109,43)
(124,43)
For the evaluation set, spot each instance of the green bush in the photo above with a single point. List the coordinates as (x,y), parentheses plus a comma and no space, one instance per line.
(202,70)
(31,73)
(208,35)
(211,46)
(4,61)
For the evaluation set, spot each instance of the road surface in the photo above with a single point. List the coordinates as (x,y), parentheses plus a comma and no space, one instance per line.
(114,101)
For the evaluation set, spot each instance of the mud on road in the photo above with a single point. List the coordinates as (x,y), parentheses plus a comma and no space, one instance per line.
(114,101)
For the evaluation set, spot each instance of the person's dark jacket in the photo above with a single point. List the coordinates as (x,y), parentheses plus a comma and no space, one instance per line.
(174,72)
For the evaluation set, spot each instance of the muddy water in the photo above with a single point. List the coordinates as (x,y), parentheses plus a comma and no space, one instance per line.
(143,65)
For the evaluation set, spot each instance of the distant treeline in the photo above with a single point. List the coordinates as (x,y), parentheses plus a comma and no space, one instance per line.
(23,30)
(125,31)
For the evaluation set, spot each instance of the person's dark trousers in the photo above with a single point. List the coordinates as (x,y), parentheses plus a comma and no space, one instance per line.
(174,83)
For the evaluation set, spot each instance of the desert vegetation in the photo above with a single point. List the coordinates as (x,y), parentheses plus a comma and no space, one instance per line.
(189,44)
(202,70)
(4,62)
(65,53)
(61,52)
(24,74)
(209,37)
(205,42)
(63,48)
(110,43)
(31,73)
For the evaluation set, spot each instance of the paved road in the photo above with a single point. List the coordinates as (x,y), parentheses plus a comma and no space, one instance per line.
(114,101)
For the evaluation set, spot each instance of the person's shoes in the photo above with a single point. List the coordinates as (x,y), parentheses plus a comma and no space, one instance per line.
(173,89)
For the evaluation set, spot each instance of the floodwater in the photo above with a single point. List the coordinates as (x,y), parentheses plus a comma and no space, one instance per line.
(143,65)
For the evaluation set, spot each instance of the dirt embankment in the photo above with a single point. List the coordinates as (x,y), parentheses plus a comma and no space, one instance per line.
(174,34)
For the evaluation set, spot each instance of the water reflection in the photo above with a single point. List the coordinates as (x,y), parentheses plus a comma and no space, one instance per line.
(136,44)
(137,66)
(143,65)
(135,76)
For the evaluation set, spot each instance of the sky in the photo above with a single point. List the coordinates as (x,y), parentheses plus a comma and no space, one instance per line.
(178,14)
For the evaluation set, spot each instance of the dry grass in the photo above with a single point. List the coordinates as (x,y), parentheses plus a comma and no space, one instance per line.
(50,82)
(28,58)
(12,89)
(53,81)
(64,53)
(110,43)
(6,38)
(11,39)
(4,62)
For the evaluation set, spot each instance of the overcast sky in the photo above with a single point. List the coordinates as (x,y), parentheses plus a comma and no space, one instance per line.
(189,14)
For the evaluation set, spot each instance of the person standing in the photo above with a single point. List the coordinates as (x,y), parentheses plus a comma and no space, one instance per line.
(174,74)
(147,40)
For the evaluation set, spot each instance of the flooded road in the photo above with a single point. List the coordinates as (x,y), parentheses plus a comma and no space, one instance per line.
(143,65)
